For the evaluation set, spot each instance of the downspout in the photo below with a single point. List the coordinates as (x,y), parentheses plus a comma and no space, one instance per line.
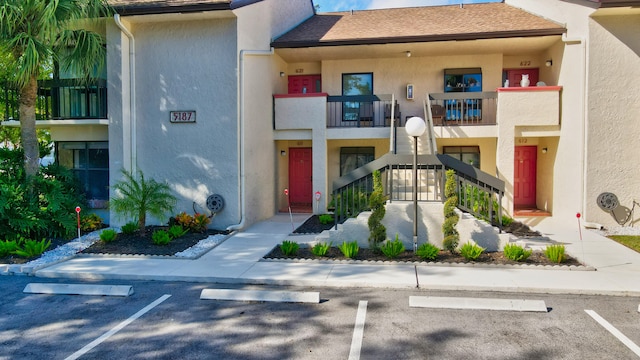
(241,160)
(132,93)
(583,116)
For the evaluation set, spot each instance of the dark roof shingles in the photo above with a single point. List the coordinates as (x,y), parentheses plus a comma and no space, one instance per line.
(413,23)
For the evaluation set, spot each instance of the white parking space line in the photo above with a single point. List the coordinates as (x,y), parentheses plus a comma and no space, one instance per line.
(615,332)
(117,328)
(462,303)
(358,331)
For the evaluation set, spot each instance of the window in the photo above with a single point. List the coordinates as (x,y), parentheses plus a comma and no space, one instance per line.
(353,85)
(463,80)
(352,158)
(90,162)
(468,154)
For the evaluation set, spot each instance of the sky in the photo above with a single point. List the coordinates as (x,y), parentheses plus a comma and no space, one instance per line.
(346,5)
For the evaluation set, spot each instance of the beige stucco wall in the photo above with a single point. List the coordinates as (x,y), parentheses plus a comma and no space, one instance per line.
(569,62)
(613,132)
(333,150)
(169,80)
(391,75)
(487,150)
(79,133)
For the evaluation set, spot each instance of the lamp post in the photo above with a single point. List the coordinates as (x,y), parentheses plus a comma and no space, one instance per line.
(415,127)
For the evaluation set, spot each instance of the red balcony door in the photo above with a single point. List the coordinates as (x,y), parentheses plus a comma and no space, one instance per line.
(524,177)
(515,75)
(299,84)
(300,177)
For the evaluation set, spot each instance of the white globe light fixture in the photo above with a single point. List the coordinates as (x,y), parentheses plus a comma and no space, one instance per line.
(415,127)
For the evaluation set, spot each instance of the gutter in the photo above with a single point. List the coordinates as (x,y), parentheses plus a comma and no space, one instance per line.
(132,93)
(584,118)
(241,155)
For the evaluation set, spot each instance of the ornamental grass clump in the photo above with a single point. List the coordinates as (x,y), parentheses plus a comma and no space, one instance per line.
(349,249)
(326,219)
(392,249)
(451,236)
(516,252)
(320,249)
(471,251)
(161,237)
(129,228)
(428,251)
(289,248)
(108,235)
(555,253)
(176,231)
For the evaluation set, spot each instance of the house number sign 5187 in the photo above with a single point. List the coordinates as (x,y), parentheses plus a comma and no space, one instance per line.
(182,116)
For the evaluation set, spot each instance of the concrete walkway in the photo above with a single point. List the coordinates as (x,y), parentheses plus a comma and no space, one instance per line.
(238,260)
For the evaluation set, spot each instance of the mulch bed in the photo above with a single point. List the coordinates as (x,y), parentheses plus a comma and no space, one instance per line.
(536,258)
(134,244)
(313,226)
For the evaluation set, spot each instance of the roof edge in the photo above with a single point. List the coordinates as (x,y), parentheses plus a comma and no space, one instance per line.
(428,38)
(153,10)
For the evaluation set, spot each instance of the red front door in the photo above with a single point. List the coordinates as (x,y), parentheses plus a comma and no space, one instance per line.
(300,176)
(299,84)
(524,177)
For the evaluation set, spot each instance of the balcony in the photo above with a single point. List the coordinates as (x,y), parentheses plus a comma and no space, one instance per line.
(530,106)
(60,99)
(307,111)
(479,108)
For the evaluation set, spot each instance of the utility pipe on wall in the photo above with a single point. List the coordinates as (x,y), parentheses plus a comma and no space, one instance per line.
(583,117)
(132,94)
(241,160)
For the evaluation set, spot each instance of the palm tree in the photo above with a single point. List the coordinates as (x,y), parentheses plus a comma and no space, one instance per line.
(37,32)
(137,197)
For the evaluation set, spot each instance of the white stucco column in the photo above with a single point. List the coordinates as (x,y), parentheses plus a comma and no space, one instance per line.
(319,160)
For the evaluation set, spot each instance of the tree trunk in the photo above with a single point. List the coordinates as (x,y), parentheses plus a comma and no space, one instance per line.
(29,138)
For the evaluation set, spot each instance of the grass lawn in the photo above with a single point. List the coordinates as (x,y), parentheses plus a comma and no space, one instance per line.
(630,241)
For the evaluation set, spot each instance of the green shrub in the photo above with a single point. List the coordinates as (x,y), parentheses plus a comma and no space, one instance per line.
(349,249)
(32,248)
(129,228)
(161,237)
(136,196)
(289,248)
(516,252)
(392,249)
(176,231)
(326,219)
(471,251)
(506,221)
(555,253)
(40,208)
(8,247)
(90,222)
(320,249)
(377,231)
(451,237)
(428,251)
(108,235)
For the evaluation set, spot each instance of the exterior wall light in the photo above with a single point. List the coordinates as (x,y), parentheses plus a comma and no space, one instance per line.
(408,53)
(283,153)
(282,73)
(544,150)
(548,63)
